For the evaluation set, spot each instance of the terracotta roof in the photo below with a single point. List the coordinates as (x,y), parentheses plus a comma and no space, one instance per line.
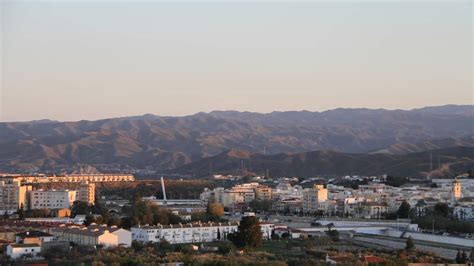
(24,245)
(189,225)
(341,259)
(372,259)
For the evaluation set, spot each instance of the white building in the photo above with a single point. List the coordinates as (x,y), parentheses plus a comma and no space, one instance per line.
(192,233)
(124,237)
(52,199)
(464,212)
(16,251)
(184,233)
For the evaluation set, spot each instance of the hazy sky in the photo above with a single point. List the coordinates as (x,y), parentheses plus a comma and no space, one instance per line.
(71,60)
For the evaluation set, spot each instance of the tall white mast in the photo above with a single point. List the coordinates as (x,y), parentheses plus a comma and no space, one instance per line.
(164,191)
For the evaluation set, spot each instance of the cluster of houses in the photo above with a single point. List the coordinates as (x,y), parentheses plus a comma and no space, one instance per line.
(372,201)
(25,239)
(22,239)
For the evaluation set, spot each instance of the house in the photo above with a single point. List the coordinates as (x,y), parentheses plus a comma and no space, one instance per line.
(124,237)
(33,237)
(86,236)
(16,251)
(288,231)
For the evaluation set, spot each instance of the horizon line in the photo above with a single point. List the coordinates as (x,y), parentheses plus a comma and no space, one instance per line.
(237,111)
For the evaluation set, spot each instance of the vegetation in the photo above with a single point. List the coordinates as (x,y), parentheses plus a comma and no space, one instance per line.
(441,209)
(396,181)
(143,212)
(446,224)
(215,210)
(404,210)
(248,234)
(409,244)
(260,205)
(175,189)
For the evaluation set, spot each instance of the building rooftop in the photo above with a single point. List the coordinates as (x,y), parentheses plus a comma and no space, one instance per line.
(32,234)
(24,245)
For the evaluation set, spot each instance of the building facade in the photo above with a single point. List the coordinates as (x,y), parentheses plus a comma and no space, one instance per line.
(52,199)
(13,195)
(86,192)
(314,199)
(184,233)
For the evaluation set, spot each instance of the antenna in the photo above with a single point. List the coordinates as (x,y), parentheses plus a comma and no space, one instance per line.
(210,169)
(431,161)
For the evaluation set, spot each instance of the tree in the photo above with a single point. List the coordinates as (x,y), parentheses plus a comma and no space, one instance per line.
(396,181)
(409,244)
(404,210)
(216,210)
(137,246)
(458,257)
(333,234)
(164,245)
(463,257)
(260,205)
(89,219)
(80,207)
(248,234)
(471,256)
(441,209)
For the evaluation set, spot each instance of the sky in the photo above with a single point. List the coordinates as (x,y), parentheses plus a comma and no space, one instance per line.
(73,60)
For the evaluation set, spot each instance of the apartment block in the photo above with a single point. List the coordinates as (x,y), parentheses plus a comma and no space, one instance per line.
(52,199)
(13,195)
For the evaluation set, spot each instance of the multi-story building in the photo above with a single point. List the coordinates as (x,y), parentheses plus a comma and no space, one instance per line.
(184,233)
(76,178)
(13,195)
(367,210)
(457,192)
(52,199)
(263,192)
(86,192)
(192,232)
(244,193)
(314,199)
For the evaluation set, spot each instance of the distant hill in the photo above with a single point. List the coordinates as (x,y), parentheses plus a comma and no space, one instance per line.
(452,161)
(401,148)
(162,142)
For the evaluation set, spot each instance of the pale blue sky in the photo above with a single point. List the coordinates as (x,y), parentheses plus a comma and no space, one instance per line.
(71,60)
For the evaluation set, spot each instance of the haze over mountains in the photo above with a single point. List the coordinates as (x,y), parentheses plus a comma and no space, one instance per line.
(163,143)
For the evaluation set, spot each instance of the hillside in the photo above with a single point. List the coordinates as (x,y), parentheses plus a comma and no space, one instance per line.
(401,148)
(452,161)
(159,143)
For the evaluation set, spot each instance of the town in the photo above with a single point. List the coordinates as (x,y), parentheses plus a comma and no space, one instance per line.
(52,217)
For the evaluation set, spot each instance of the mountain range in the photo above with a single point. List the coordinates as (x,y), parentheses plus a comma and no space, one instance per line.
(446,162)
(162,142)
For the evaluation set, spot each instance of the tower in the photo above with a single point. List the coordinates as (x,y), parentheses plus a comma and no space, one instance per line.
(457,194)
(164,191)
